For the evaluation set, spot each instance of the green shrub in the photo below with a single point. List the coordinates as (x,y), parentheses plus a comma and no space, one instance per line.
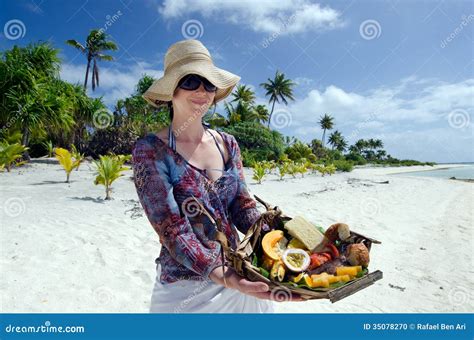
(10,154)
(259,171)
(263,143)
(283,168)
(343,165)
(356,158)
(108,169)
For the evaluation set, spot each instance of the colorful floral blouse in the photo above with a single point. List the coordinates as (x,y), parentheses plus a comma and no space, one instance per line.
(166,183)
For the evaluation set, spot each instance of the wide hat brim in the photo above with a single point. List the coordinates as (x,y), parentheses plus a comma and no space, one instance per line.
(161,91)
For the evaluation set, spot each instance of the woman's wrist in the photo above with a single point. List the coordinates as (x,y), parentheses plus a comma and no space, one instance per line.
(218,275)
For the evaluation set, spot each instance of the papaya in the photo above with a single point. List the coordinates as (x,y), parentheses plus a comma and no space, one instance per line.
(322,282)
(351,271)
(267,262)
(269,241)
(343,278)
(307,279)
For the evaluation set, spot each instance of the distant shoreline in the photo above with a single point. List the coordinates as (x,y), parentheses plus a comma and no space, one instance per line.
(432,168)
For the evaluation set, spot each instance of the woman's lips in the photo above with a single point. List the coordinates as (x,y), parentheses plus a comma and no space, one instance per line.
(199,102)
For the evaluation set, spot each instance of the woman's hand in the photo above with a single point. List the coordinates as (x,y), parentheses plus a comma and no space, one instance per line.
(257,289)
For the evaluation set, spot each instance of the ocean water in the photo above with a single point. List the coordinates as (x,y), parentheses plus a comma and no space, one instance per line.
(464,172)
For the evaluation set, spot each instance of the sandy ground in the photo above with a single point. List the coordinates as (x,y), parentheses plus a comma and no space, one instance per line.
(65,249)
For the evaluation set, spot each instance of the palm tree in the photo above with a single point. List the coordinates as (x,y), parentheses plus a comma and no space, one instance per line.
(30,90)
(278,89)
(108,169)
(243,93)
(261,113)
(96,43)
(342,145)
(10,153)
(326,122)
(381,154)
(334,139)
(66,160)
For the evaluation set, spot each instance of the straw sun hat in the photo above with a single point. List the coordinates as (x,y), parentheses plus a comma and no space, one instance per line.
(189,57)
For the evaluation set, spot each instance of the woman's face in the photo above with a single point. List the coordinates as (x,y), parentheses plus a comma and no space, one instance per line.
(195,101)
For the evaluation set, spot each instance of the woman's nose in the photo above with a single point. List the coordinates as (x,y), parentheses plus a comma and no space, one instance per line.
(201,88)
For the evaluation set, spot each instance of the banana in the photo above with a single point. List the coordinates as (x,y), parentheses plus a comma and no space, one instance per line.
(277,272)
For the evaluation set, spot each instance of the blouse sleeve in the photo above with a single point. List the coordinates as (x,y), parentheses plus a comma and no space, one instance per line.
(243,209)
(155,192)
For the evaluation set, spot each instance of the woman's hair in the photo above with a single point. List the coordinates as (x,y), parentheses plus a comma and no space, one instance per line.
(170,110)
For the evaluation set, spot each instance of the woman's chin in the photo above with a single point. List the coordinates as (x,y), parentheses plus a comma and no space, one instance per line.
(199,106)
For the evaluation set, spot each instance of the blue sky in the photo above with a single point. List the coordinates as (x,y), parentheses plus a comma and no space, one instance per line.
(402,71)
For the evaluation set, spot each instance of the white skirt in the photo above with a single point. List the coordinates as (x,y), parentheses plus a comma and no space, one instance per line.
(190,296)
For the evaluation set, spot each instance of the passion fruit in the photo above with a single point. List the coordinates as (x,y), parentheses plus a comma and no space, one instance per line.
(296,260)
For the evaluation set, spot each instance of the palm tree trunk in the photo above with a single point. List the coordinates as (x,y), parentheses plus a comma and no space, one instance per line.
(96,73)
(107,192)
(271,112)
(25,135)
(324,133)
(87,72)
(25,139)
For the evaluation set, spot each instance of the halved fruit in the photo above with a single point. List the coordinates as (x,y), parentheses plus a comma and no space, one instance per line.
(296,260)
(269,241)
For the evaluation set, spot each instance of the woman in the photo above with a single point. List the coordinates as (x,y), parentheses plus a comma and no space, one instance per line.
(187,164)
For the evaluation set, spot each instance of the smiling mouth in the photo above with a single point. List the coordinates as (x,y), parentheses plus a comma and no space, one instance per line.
(199,102)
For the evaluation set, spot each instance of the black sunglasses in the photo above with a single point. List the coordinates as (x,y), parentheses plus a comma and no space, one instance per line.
(192,82)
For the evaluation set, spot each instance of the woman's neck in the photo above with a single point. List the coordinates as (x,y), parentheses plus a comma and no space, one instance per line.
(188,127)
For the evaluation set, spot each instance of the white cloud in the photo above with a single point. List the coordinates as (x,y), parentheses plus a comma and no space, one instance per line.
(411,101)
(414,117)
(285,16)
(115,83)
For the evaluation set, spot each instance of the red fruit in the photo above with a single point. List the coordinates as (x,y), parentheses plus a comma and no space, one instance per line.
(318,259)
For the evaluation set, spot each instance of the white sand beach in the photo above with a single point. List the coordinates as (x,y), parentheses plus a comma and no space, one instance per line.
(64,249)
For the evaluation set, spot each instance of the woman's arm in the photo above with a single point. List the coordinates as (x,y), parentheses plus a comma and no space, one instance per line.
(243,209)
(155,192)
